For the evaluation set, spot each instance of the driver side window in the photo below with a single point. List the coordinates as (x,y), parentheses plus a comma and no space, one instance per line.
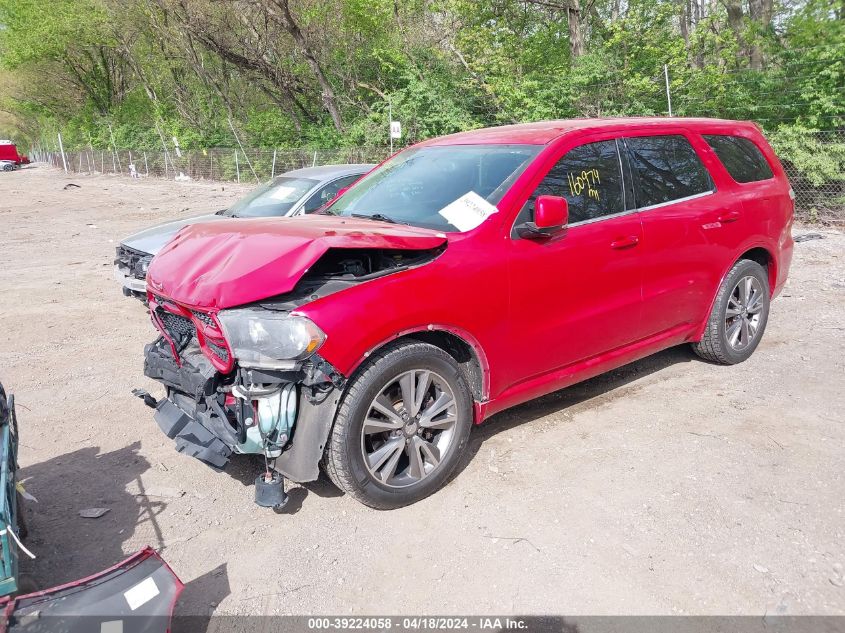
(589,177)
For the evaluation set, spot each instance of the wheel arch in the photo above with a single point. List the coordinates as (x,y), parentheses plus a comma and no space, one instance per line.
(765,258)
(758,253)
(460,345)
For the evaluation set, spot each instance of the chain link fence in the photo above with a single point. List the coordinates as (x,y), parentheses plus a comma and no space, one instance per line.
(250,165)
(814,162)
(815,165)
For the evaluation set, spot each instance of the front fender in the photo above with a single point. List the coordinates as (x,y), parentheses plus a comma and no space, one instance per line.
(445,295)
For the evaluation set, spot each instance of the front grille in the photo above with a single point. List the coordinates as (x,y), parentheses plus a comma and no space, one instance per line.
(179,328)
(218,351)
(182,328)
(202,316)
(132,261)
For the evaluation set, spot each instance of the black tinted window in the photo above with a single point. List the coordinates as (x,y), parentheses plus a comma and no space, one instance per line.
(741,157)
(590,179)
(667,169)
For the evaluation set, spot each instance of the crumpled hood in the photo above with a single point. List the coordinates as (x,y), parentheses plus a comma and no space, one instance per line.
(226,264)
(152,239)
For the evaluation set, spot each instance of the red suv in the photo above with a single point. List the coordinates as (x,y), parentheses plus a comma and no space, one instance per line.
(465,275)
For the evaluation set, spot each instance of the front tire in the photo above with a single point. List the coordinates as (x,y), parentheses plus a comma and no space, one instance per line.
(401,427)
(739,316)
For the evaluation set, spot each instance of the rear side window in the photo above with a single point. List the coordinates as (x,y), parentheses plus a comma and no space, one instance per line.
(741,157)
(590,178)
(667,168)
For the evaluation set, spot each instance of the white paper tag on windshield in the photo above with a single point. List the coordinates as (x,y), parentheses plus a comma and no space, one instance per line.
(468,211)
(280,193)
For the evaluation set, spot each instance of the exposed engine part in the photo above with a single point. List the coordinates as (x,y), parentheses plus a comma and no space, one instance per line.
(364,262)
(274,408)
(284,415)
(340,268)
(270,490)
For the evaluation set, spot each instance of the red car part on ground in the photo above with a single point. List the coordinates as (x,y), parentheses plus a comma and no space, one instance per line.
(137,594)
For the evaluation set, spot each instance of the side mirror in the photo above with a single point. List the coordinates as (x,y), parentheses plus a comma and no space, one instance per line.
(551,214)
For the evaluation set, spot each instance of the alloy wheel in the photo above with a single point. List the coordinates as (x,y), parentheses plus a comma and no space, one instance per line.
(743,312)
(409,428)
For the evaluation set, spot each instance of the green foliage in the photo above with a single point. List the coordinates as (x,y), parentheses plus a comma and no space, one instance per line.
(818,156)
(36,30)
(135,73)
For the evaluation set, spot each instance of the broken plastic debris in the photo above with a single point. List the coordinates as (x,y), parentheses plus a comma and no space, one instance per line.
(19,487)
(93,513)
(8,530)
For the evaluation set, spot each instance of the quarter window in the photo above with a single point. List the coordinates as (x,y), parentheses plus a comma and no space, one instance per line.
(667,168)
(590,178)
(741,157)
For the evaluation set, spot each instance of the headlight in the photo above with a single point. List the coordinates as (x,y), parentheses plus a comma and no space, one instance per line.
(262,338)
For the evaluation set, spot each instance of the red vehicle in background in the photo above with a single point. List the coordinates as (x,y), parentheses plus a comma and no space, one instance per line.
(465,275)
(9,157)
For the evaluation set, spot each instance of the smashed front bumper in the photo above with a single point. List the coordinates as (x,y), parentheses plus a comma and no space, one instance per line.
(212,416)
(134,596)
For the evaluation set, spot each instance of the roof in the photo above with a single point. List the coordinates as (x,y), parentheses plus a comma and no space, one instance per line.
(543,132)
(325,172)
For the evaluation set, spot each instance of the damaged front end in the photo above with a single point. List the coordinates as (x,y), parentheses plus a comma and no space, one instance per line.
(241,365)
(216,407)
(250,380)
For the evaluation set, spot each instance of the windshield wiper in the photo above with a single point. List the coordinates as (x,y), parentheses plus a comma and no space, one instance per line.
(376,216)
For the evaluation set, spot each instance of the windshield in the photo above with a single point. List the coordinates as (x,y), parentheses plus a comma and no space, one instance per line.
(451,188)
(274,198)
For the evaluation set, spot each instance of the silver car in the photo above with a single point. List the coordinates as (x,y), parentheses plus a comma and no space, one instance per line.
(293,193)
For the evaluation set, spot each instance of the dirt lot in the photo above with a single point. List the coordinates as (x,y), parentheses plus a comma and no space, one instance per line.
(669,486)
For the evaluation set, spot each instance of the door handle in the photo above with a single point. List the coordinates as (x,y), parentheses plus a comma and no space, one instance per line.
(728,217)
(625,242)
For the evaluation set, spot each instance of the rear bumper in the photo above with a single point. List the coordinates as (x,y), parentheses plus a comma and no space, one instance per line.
(133,596)
(783,265)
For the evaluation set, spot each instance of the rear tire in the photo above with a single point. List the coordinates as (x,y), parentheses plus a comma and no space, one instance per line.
(739,315)
(401,427)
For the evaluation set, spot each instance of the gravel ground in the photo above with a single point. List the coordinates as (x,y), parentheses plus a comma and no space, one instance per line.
(670,486)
